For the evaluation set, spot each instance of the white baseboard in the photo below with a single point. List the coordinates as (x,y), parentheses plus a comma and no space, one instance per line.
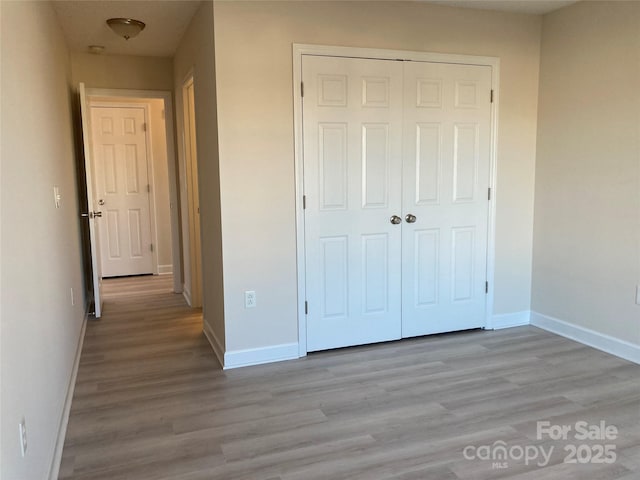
(258,356)
(508,320)
(54,471)
(614,346)
(218,350)
(252,356)
(165,269)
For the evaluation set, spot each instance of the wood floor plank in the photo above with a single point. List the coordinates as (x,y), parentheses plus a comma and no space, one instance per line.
(151,402)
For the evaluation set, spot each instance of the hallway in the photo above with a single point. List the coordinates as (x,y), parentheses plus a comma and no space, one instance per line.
(142,364)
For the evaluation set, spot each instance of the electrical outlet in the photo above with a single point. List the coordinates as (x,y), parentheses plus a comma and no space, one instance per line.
(23,437)
(249,299)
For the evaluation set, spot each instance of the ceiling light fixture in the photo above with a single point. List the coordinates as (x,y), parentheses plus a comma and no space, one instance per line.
(126,27)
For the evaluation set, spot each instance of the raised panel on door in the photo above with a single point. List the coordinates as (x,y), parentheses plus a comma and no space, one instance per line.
(120,156)
(463,262)
(426,274)
(352,124)
(447,117)
(332,157)
(428,144)
(334,273)
(375,165)
(111,228)
(375,278)
(465,162)
(132,168)
(136,246)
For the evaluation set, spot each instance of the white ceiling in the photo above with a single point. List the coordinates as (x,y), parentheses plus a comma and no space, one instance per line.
(537,7)
(84,21)
(84,24)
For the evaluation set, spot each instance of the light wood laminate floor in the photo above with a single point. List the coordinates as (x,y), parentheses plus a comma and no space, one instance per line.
(151,402)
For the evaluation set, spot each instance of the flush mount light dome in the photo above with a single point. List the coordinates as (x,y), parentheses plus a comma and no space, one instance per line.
(126,27)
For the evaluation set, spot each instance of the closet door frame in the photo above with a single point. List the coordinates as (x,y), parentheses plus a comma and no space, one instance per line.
(300,50)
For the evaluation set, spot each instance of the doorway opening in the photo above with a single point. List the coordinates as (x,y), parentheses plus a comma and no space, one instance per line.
(131,185)
(190,207)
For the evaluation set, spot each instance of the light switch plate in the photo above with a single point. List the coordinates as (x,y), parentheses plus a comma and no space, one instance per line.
(56,196)
(23,437)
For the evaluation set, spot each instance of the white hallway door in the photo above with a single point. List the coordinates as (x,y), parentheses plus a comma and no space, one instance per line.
(122,188)
(396,176)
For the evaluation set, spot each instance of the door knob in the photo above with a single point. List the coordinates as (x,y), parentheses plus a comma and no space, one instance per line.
(101,202)
(410,218)
(91,214)
(395,219)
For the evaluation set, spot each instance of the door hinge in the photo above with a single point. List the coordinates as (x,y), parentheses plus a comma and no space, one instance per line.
(486,287)
(304,202)
(144,127)
(491,96)
(151,247)
(489,194)
(302,89)
(306,307)
(148,188)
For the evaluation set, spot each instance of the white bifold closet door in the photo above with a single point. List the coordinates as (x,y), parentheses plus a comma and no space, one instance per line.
(396,171)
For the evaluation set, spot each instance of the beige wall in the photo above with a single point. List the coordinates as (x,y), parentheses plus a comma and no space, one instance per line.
(122,71)
(40,244)
(196,52)
(255,105)
(587,223)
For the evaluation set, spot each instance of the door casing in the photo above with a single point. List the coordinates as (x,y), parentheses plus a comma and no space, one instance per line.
(189,147)
(299,50)
(166,96)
